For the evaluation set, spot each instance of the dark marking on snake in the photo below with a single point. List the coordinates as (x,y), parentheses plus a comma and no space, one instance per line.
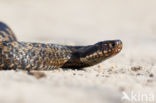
(39,56)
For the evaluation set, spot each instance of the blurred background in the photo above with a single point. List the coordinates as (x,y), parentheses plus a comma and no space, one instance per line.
(80,20)
(84,22)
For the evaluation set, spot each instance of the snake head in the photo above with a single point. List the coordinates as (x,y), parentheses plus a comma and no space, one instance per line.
(93,54)
(100,51)
(107,48)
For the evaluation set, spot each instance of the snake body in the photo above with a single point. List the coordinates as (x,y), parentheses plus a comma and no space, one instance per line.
(39,56)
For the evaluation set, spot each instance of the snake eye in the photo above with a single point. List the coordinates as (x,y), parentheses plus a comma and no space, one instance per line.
(113,44)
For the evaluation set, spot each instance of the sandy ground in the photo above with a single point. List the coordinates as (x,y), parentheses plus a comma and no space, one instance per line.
(83,22)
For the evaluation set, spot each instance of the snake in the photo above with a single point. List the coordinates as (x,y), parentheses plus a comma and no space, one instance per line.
(16,54)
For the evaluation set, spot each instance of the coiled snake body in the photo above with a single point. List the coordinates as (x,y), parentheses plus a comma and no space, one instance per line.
(39,56)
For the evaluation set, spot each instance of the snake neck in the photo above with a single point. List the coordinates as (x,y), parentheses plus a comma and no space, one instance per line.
(84,56)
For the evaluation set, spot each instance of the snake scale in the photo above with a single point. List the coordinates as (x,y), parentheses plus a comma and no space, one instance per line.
(39,56)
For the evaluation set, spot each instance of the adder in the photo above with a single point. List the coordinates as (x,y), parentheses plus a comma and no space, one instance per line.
(16,54)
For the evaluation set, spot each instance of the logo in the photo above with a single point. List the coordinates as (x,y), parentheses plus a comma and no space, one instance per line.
(138,97)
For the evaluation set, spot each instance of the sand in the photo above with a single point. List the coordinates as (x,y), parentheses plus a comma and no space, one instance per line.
(81,22)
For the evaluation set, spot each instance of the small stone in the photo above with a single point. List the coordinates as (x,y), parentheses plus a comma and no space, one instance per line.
(149,81)
(113,66)
(109,70)
(97,75)
(99,66)
(74,73)
(38,75)
(138,74)
(136,68)
(151,75)
(122,88)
